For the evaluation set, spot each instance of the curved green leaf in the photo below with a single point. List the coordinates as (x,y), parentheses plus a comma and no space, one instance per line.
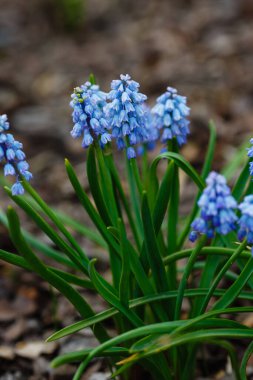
(182,164)
(191,293)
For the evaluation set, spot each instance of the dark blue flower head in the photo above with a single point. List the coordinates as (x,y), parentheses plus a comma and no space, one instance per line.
(246,219)
(250,154)
(12,155)
(170,114)
(217,209)
(126,113)
(88,116)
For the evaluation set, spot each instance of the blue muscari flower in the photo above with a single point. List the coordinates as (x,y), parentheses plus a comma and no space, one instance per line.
(171,114)
(246,220)
(152,132)
(217,209)
(12,155)
(126,113)
(250,154)
(88,116)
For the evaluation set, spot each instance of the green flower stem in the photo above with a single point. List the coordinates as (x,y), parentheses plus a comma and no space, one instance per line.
(145,165)
(173,211)
(136,173)
(221,274)
(114,173)
(135,200)
(186,275)
(106,184)
(105,201)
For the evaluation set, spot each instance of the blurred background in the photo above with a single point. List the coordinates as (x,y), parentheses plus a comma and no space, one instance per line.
(204,48)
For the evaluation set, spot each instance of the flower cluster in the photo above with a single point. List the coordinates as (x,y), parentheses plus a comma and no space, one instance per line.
(246,219)
(88,117)
(217,209)
(170,114)
(126,113)
(122,115)
(12,154)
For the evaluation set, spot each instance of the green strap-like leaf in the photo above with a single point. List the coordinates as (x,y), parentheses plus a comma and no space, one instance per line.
(205,171)
(109,295)
(207,251)
(89,208)
(245,360)
(78,356)
(241,183)
(117,182)
(182,164)
(19,261)
(95,187)
(124,286)
(162,199)
(42,247)
(166,342)
(174,339)
(58,223)
(235,289)
(221,275)
(187,272)
(151,341)
(66,219)
(154,256)
(37,266)
(44,226)
(192,293)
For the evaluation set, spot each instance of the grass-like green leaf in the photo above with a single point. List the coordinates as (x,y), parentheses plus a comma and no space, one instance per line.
(245,360)
(205,171)
(52,278)
(154,256)
(241,183)
(58,223)
(90,208)
(19,261)
(42,247)
(174,339)
(186,274)
(44,226)
(78,356)
(108,294)
(102,316)
(124,286)
(181,162)
(66,219)
(235,289)
(92,174)
(162,198)
(118,185)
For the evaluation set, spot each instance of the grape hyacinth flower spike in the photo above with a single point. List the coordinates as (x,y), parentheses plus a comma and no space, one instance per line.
(88,116)
(250,154)
(217,209)
(12,155)
(170,115)
(246,220)
(126,114)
